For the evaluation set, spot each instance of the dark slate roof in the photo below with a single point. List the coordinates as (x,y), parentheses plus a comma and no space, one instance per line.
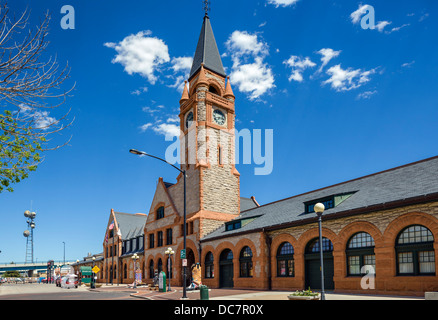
(130,225)
(246,204)
(207,51)
(413,183)
(168,184)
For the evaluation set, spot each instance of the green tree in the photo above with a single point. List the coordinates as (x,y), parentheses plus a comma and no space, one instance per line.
(12,274)
(31,97)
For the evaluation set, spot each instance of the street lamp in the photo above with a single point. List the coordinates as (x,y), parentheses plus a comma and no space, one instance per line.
(135,257)
(141,153)
(92,285)
(319,210)
(169,253)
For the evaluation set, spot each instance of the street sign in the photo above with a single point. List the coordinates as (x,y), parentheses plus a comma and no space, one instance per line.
(184,262)
(183,254)
(96,269)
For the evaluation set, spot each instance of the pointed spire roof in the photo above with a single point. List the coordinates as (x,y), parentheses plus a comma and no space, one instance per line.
(185,95)
(228,90)
(207,51)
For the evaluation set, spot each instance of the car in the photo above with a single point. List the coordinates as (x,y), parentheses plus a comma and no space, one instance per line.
(69,281)
(44,280)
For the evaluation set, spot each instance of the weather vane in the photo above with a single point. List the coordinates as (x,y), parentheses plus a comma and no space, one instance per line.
(207,7)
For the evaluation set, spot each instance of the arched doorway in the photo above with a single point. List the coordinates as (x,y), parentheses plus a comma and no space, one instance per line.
(190,262)
(226,273)
(313,265)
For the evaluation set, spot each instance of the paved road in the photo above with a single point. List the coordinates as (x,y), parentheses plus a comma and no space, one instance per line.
(37,291)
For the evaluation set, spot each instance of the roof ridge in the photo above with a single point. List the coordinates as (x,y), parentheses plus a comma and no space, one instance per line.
(348,181)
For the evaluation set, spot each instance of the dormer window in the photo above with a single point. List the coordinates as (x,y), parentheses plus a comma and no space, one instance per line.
(329,202)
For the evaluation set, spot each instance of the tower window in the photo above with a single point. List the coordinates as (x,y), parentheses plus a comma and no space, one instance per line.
(213,90)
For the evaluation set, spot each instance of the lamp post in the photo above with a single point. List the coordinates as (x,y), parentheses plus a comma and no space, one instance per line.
(141,153)
(92,275)
(169,253)
(135,257)
(319,210)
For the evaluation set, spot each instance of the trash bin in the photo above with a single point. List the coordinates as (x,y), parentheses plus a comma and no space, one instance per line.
(204,292)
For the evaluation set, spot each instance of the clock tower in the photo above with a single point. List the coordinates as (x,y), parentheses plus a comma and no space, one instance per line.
(207,120)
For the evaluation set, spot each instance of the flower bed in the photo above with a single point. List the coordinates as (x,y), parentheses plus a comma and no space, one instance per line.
(304,295)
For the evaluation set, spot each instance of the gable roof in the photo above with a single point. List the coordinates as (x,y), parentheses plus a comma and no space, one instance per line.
(410,184)
(207,51)
(130,225)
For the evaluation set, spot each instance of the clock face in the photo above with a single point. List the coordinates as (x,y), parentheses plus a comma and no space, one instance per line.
(219,117)
(189,120)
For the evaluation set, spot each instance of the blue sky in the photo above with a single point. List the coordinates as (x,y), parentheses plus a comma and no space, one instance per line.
(342,101)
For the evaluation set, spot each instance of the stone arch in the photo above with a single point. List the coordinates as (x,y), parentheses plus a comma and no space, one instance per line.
(403,221)
(243,243)
(359,226)
(314,233)
(216,85)
(189,245)
(278,240)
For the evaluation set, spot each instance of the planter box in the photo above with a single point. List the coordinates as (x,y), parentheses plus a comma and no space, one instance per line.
(291,297)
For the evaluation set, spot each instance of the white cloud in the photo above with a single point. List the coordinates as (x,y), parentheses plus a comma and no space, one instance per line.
(366,94)
(183,64)
(348,79)
(381,25)
(146,126)
(140,53)
(408,64)
(398,28)
(167,129)
(40,119)
(357,15)
(138,92)
(242,43)
(254,79)
(249,71)
(298,66)
(327,55)
(282,3)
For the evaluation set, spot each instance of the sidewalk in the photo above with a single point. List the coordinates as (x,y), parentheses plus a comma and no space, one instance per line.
(236,294)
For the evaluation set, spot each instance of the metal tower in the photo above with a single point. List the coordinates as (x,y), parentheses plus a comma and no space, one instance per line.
(29,235)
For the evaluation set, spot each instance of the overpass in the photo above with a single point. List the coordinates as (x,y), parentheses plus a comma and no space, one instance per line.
(25,268)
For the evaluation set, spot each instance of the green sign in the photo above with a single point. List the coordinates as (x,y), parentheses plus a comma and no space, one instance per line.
(86,271)
(183,254)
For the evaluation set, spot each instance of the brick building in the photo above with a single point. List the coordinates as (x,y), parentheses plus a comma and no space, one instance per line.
(387,220)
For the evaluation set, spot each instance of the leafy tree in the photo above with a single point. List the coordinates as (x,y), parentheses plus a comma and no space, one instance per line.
(12,274)
(30,93)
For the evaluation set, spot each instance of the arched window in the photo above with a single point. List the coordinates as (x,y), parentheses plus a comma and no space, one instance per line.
(125,271)
(209,265)
(160,265)
(151,269)
(313,246)
(246,263)
(226,255)
(213,90)
(285,260)
(415,253)
(360,253)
